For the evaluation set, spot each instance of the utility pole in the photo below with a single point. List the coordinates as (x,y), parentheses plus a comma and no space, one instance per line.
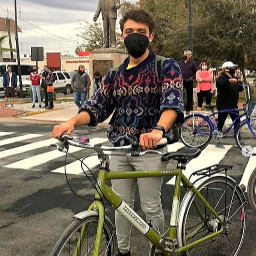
(7,20)
(17,48)
(190,28)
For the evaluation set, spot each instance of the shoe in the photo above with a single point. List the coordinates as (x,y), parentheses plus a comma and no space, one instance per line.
(40,106)
(219,145)
(123,254)
(5,105)
(45,106)
(33,106)
(12,106)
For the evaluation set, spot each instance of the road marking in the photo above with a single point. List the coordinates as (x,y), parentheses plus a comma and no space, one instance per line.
(25,148)
(5,133)
(209,156)
(75,167)
(19,138)
(251,165)
(37,160)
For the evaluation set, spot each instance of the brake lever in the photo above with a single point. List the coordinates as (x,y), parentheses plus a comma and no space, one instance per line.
(59,146)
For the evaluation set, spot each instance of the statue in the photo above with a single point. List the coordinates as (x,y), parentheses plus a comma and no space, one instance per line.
(108,9)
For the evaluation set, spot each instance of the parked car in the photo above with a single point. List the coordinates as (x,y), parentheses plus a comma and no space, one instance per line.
(26,69)
(62,82)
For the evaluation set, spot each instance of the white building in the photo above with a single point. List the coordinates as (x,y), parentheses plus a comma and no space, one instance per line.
(5,43)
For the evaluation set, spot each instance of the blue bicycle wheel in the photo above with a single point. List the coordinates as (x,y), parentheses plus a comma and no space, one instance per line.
(196,131)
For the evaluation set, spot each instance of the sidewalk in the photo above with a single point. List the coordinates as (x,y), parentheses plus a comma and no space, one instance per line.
(24,111)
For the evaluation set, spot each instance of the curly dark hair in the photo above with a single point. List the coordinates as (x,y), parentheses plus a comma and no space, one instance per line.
(140,16)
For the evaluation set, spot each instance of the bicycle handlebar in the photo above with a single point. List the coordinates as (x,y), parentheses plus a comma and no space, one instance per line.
(67,140)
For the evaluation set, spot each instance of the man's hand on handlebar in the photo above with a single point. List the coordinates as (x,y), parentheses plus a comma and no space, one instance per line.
(149,140)
(58,130)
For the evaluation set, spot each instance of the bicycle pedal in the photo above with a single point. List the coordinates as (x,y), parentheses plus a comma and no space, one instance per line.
(170,245)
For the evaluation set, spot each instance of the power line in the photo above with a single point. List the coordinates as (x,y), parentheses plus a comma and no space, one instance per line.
(59,37)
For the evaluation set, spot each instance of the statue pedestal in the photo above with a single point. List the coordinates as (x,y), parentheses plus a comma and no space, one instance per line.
(103,59)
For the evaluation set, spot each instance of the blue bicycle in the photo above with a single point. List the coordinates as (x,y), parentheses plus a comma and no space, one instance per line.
(198,129)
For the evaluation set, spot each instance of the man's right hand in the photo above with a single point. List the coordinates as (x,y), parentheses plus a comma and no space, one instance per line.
(67,128)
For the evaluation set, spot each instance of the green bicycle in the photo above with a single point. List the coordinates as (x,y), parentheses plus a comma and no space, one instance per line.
(210,219)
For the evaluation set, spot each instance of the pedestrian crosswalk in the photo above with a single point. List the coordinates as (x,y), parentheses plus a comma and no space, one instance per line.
(31,152)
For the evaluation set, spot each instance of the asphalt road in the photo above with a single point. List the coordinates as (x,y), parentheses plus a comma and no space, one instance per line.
(36,204)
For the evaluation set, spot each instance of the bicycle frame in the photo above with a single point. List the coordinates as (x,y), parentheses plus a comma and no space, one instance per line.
(227,111)
(116,202)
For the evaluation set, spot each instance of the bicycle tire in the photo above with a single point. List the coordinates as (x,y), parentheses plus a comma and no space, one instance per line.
(245,140)
(196,131)
(251,191)
(229,242)
(67,243)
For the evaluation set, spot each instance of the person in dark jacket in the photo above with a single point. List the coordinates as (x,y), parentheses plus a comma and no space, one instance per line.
(80,84)
(188,69)
(48,81)
(44,86)
(228,88)
(10,85)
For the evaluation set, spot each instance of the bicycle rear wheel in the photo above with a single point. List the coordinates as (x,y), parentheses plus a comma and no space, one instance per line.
(75,240)
(252,191)
(228,201)
(195,131)
(245,140)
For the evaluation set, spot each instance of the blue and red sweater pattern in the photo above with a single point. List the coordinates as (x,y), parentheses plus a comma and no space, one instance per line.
(138,98)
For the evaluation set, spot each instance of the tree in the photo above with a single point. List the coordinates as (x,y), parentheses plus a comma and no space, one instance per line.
(222,29)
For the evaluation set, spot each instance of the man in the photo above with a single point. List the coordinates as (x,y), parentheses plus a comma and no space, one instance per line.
(228,88)
(145,108)
(108,9)
(10,85)
(188,68)
(80,84)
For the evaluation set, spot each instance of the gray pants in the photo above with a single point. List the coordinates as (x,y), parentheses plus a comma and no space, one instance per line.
(149,191)
(36,93)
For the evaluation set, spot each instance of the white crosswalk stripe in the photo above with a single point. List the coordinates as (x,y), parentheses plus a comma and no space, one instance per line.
(38,144)
(19,138)
(37,160)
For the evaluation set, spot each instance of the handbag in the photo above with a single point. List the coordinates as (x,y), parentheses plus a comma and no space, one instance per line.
(50,88)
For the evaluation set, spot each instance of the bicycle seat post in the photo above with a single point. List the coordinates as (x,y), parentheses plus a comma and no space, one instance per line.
(181,163)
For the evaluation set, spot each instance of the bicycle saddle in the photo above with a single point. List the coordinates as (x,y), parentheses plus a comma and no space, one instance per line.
(210,106)
(183,154)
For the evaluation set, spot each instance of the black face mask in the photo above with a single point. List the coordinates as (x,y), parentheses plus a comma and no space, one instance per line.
(136,44)
(80,72)
(232,71)
(184,57)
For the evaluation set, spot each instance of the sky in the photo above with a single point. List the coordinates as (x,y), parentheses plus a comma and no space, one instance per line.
(52,24)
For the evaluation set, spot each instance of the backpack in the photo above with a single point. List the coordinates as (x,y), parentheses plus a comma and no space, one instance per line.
(172,135)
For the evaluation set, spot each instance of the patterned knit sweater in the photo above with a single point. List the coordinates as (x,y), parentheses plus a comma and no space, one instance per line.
(138,99)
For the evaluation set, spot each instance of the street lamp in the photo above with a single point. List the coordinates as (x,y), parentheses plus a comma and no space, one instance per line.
(190,28)
(17,48)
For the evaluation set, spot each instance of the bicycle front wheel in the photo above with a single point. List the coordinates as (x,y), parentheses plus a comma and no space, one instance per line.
(245,140)
(251,191)
(195,131)
(228,201)
(79,238)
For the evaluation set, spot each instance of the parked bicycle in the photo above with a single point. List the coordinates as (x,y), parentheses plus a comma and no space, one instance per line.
(198,129)
(210,218)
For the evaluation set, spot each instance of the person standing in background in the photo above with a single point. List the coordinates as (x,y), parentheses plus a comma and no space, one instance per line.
(188,69)
(80,84)
(96,81)
(204,88)
(10,85)
(44,86)
(35,86)
(228,88)
(48,83)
